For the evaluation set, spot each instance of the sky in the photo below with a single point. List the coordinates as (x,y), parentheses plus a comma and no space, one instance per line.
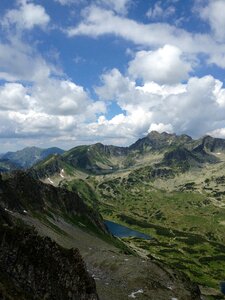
(83,71)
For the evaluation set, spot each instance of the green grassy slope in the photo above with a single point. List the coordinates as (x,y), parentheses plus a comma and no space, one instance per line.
(186,221)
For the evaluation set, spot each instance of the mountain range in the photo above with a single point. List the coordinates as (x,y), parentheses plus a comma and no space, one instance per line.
(168,150)
(99,158)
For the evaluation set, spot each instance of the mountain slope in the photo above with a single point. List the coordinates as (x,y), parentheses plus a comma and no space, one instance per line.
(7,165)
(183,159)
(95,158)
(24,255)
(22,193)
(170,187)
(54,164)
(33,267)
(53,212)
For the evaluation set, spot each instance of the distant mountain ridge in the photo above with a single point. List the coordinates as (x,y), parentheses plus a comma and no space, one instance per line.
(27,157)
(7,165)
(103,159)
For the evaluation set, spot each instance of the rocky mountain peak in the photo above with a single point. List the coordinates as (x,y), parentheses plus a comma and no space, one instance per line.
(155,134)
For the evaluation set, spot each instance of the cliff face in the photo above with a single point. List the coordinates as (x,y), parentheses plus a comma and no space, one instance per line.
(32,267)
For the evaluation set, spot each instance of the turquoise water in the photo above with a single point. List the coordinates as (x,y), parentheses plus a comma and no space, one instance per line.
(123,231)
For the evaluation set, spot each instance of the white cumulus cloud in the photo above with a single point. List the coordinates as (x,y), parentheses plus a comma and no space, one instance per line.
(164,65)
(97,22)
(26,16)
(219,133)
(68,2)
(194,108)
(213,13)
(13,96)
(18,61)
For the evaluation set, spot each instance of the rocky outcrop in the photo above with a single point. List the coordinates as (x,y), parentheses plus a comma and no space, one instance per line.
(32,267)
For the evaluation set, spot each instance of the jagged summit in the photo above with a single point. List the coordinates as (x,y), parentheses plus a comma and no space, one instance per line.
(158,141)
(157,134)
(169,136)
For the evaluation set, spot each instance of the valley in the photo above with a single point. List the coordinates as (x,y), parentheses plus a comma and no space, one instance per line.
(169,187)
(118,270)
(179,202)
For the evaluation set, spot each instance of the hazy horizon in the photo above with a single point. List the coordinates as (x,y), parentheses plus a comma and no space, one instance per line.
(91,143)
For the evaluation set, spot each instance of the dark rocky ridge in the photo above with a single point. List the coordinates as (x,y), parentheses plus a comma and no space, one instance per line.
(20,192)
(32,267)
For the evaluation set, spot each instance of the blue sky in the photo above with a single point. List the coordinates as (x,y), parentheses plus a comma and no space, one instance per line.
(80,71)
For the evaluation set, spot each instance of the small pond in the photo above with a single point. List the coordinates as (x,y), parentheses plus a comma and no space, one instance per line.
(222,287)
(123,231)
